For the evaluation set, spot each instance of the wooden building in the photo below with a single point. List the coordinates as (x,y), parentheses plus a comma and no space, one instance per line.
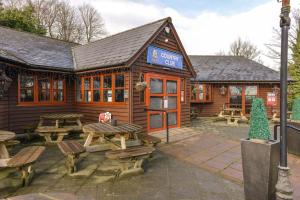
(232,81)
(108,75)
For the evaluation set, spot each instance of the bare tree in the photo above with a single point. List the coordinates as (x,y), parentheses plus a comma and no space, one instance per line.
(92,22)
(244,48)
(67,23)
(46,12)
(13,4)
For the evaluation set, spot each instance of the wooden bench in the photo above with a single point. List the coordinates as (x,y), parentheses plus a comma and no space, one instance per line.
(71,149)
(49,131)
(150,140)
(131,159)
(24,161)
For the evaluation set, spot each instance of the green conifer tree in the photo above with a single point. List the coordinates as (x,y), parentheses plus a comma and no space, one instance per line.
(259,125)
(296,109)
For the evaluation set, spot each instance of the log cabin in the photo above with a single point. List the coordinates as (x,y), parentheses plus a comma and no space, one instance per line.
(232,81)
(133,75)
(126,74)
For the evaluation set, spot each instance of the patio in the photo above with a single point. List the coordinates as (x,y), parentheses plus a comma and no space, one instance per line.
(201,162)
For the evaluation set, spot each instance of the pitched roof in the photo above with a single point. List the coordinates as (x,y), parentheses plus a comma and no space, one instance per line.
(35,50)
(230,69)
(116,49)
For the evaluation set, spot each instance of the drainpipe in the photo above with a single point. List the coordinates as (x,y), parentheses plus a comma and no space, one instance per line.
(284,189)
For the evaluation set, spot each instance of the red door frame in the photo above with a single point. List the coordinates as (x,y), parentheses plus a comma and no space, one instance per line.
(165,78)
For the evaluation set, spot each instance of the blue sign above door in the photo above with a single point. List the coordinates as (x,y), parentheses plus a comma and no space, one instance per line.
(163,57)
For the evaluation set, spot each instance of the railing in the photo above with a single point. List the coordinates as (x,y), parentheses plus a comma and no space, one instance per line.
(288,126)
(167,118)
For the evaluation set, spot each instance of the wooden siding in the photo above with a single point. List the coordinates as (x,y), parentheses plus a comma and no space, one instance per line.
(141,66)
(20,117)
(212,109)
(4,117)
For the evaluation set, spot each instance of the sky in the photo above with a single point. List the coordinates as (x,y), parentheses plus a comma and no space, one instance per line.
(205,27)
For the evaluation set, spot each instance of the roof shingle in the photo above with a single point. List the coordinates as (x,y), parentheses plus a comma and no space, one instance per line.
(231,68)
(35,50)
(116,49)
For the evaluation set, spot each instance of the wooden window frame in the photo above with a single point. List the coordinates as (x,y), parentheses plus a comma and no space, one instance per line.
(205,92)
(36,101)
(118,88)
(243,95)
(102,89)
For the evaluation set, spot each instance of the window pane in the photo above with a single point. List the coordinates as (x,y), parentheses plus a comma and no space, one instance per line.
(44,89)
(27,88)
(171,87)
(107,96)
(207,92)
(27,81)
(119,95)
(156,121)
(172,118)
(251,90)
(58,95)
(96,96)
(78,90)
(119,82)
(193,92)
(87,84)
(172,102)
(96,82)
(87,96)
(156,103)
(156,86)
(27,95)
(235,90)
(60,84)
(107,81)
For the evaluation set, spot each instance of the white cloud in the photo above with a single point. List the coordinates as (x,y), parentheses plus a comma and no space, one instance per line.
(205,33)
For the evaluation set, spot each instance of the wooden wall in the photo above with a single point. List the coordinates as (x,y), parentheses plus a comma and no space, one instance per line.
(141,66)
(20,117)
(212,109)
(4,113)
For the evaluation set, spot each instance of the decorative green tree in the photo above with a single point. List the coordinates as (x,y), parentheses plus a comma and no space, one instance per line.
(296,109)
(259,126)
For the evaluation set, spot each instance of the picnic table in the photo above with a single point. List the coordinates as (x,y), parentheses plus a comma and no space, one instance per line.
(5,138)
(106,132)
(232,115)
(64,123)
(276,115)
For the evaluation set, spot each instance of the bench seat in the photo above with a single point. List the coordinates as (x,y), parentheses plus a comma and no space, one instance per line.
(24,161)
(130,159)
(150,140)
(72,149)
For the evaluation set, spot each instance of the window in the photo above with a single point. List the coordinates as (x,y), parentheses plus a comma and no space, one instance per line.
(35,89)
(201,93)
(27,88)
(87,90)
(44,89)
(78,90)
(107,90)
(250,94)
(119,88)
(102,88)
(182,90)
(58,90)
(235,98)
(96,89)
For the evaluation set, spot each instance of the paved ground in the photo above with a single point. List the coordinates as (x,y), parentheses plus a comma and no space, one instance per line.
(166,178)
(215,147)
(201,162)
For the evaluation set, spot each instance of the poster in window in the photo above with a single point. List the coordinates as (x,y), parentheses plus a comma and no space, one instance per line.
(271,99)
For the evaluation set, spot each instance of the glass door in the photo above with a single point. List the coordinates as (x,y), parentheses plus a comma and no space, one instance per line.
(163,94)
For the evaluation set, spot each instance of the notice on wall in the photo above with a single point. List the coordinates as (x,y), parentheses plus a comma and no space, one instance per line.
(166,103)
(271,99)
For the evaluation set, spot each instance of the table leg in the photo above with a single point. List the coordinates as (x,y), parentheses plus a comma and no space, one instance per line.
(123,143)
(41,122)
(79,122)
(3,151)
(88,140)
(57,123)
